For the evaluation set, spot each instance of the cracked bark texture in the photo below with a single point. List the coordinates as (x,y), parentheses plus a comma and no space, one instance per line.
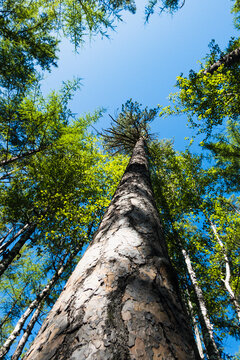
(122,301)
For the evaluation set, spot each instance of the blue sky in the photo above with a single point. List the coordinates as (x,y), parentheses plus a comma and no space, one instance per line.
(141,61)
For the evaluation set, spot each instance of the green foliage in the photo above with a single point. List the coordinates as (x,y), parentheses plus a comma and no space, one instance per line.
(227,222)
(32,124)
(30,33)
(225,150)
(211,97)
(208,99)
(236,12)
(180,178)
(76,19)
(26,40)
(62,186)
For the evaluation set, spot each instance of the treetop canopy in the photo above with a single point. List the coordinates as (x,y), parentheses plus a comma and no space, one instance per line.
(131,124)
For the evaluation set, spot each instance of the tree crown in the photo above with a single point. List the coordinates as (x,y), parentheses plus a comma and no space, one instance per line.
(131,124)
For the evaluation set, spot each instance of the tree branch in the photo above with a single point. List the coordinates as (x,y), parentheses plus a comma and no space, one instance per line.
(227,60)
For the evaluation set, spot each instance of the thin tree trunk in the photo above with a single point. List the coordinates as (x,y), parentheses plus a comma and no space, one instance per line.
(7,175)
(122,301)
(13,238)
(19,157)
(26,334)
(206,325)
(11,254)
(226,280)
(46,291)
(196,329)
(4,237)
(228,59)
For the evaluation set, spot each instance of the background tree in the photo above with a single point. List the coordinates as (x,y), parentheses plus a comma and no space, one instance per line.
(185,195)
(210,100)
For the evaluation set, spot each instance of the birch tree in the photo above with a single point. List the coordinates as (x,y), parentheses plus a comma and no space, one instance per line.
(227,277)
(196,328)
(207,328)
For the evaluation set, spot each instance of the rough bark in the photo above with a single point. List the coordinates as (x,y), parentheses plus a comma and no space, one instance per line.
(11,254)
(206,326)
(228,59)
(226,279)
(122,301)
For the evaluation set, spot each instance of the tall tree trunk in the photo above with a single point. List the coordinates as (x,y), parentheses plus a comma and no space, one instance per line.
(7,243)
(11,254)
(122,301)
(226,279)
(206,326)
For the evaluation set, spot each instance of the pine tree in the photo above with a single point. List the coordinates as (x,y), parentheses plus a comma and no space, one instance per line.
(122,301)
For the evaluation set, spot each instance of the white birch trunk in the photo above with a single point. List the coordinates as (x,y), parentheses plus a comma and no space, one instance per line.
(16,332)
(13,238)
(26,232)
(206,325)
(226,279)
(196,330)
(26,334)
(4,237)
